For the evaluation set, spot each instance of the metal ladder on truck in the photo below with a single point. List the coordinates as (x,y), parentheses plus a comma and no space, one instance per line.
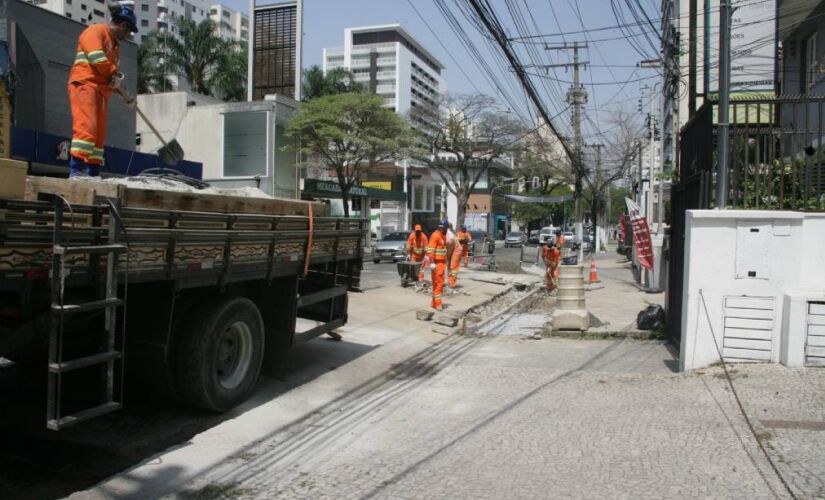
(108,354)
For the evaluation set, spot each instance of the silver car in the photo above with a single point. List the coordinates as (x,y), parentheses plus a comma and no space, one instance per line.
(392,247)
(514,239)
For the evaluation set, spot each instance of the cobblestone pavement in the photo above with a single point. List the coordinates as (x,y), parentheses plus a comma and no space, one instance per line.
(507,417)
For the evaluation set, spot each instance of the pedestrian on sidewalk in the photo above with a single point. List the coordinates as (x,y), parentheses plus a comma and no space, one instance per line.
(458,253)
(92,80)
(437,254)
(417,249)
(552,256)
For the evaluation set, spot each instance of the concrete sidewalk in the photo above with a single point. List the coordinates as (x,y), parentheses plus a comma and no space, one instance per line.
(615,300)
(381,338)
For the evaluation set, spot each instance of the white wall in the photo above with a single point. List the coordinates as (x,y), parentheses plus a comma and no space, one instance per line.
(199,129)
(722,248)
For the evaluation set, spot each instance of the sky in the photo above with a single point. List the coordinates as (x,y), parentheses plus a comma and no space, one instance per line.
(612,58)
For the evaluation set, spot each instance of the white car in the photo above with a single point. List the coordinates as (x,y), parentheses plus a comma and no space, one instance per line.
(546,233)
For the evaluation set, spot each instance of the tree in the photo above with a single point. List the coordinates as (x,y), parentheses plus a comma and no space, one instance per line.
(315,83)
(461,139)
(228,82)
(211,65)
(609,163)
(150,74)
(351,133)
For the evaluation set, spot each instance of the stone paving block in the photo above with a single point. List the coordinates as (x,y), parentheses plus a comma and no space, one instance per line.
(424,314)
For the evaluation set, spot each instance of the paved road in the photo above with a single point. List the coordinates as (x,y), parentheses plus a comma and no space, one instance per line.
(385,273)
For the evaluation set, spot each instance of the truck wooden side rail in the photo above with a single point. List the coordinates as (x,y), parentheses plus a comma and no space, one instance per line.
(194,304)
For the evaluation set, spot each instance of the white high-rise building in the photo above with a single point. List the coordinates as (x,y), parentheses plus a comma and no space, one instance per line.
(154,15)
(231,24)
(390,62)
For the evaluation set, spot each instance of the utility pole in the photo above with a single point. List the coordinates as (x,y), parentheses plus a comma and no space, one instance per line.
(724,95)
(576,97)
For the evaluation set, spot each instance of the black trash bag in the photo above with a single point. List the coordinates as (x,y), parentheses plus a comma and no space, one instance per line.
(652,318)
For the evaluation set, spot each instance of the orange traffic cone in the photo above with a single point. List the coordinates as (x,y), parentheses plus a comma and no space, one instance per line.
(594,276)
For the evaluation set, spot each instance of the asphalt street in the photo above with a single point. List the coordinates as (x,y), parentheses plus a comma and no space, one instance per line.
(386,273)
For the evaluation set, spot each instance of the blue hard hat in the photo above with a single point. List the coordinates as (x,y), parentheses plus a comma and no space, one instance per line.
(464,226)
(444,222)
(124,12)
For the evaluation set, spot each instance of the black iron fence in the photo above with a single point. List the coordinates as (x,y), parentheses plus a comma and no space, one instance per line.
(777,153)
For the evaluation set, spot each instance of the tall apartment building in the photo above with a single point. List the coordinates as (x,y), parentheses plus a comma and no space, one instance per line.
(388,61)
(154,15)
(231,24)
(391,63)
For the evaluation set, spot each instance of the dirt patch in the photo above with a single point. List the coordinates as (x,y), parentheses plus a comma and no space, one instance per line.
(509,267)
(217,491)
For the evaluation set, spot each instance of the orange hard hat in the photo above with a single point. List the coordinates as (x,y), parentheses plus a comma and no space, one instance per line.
(418,227)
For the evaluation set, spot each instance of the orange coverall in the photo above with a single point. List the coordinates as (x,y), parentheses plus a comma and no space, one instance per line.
(551,255)
(417,250)
(96,61)
(437,252)
(465,237)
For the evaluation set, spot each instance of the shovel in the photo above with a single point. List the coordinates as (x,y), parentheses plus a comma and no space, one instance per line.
(171,152)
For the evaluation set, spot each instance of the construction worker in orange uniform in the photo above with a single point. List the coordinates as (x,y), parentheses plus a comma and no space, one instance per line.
(464,237)
(417,248)
(551,255)
(437,253)
(93,78)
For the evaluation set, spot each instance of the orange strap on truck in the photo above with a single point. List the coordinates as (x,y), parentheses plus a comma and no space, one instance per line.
(309,241)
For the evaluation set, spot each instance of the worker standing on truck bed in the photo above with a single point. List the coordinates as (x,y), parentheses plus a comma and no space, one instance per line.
(437,253)
(417,248)
(93,78)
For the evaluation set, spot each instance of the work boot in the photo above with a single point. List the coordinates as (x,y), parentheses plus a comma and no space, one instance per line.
(78,168)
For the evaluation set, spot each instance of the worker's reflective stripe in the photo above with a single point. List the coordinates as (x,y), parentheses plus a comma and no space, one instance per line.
(97,56)
(441,251)
(80,58)
(453,273)
(97,154)
(82,145)
(436,297)
(418,250)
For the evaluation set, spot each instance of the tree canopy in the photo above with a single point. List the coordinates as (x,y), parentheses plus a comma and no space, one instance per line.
(315,83)
(211,65)
(461,138)
(350,133)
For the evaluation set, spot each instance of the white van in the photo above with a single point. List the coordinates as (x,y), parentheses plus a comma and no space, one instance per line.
(546,233)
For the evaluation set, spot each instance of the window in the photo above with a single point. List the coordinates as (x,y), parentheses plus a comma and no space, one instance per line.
(144,23)
(423,198)
(69,15)
(811,64)
(144,7)
(98,13)
(83,6)
(225,13)
(213,12)
(244,144)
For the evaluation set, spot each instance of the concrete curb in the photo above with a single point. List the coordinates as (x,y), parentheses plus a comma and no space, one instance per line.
(597,335)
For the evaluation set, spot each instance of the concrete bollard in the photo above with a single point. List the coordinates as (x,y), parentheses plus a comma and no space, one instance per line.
(571,312)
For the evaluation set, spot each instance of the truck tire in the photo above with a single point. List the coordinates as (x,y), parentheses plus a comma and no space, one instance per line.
(220,354)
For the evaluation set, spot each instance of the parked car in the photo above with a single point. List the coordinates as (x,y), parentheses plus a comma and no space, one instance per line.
(392,247)
(587,243)
(514,239)
(547,233)
(533,239)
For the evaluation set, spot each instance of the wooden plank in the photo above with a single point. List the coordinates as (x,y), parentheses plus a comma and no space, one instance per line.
(816,341)
(748,333)
(816,329)
(735,312)
(816,308)
(754,324)
(759,345)
(83,192)
(750,302)
(204,202)
(733,354)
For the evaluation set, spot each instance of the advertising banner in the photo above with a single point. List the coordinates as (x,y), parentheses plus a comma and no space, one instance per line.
(641,235)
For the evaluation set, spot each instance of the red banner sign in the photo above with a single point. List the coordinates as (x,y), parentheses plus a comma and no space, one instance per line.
(641,235)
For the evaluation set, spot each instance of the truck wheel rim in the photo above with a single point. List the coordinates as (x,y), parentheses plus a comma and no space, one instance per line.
(234,355)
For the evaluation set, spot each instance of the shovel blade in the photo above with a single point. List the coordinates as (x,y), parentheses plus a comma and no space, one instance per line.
(172,153)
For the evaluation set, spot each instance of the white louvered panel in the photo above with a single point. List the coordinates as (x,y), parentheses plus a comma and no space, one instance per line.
(748,329)
(815,338)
